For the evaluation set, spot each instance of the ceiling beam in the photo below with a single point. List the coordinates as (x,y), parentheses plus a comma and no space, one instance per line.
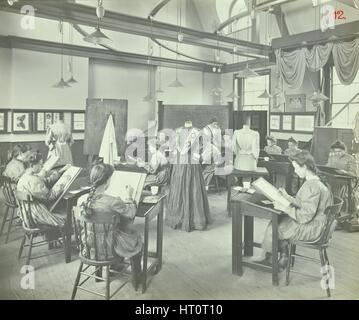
(86,15)
(89,52)
(342,32)
(252,64)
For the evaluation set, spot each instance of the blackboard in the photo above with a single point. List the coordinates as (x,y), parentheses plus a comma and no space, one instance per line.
(97,113)
(174,116)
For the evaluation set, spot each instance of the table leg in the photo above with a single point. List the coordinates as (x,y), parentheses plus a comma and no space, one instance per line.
(68,232)
(160,237)
(275,267)
(248,235)
(145,255)
(229,186)
(237,241)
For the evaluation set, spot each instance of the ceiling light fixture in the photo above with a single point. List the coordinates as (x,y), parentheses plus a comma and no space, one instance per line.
(98,37)
(62,84)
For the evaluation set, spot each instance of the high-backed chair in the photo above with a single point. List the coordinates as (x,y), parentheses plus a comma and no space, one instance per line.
(31,229)
(91,233)
(321,244)
(10,206)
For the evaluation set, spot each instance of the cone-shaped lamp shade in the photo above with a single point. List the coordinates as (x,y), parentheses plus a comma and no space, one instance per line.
(233,95)
(72,80)
(265,95)
(216,92)
(176,84)
(159,90)
(98,37)
(318,96)
(61,84)
(148,98)
(247,73)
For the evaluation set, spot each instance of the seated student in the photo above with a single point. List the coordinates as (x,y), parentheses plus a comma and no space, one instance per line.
(271,147)
(125,242)
(292,148)
(15,167)
(38,187)
(157,167)
(291,152)
(304,219)
(339,158)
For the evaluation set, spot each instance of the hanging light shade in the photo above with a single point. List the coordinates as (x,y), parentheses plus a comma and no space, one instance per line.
(98,37)
(265,95)
(176,84)
(318,97)
(233,95)
(61,84)
(148,98)
(159,90)
(247,73)
(72,80)
(216,92)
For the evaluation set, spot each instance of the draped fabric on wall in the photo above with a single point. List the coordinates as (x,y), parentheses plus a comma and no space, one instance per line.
(292,65)
(346,60)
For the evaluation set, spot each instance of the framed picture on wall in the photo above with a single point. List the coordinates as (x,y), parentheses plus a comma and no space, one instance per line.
(78,121)
(48,119)
(295,103)
(3,121)
(287,123)
(40,121)
(304,123)
(21,121)
(274,122)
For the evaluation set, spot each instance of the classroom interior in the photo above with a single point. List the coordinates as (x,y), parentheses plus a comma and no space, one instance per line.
(287,69)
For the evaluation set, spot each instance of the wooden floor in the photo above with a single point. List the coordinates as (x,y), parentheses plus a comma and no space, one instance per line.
(196,265)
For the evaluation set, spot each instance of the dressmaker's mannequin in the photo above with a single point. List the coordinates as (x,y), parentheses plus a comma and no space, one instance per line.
(246,147)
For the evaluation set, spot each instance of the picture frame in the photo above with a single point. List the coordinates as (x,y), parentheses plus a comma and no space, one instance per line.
(295,103)
(21,121)
(3,121)
(274,123)
(304,123)
(287,122)
(78,121)
(40,121)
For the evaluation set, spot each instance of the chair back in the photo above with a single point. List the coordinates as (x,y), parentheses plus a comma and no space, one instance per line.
(24,201)
(332,212)
(8,191)
(95,235)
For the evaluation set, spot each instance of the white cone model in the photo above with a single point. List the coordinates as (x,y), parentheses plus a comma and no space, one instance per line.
(108,149)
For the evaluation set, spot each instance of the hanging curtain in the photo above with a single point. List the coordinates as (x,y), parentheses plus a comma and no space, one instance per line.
(318,57)
(292,65)
(346,60)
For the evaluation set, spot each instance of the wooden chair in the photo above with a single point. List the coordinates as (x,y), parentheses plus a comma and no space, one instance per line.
(321,244)
(10,204)
(94,253)
(33,230)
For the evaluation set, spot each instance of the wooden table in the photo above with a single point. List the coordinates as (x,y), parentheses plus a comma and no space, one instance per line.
(248,206)
(276,168)
(146,211)
(260,172)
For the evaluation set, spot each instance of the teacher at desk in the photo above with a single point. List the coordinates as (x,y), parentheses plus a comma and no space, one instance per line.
(304,219)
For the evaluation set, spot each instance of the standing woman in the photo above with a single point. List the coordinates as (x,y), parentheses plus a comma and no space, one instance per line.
(304,219)
(126,242)
(59,140)
(16,167)
(187,204)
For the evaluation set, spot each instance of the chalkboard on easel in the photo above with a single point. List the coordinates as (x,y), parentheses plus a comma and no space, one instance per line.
(174,116)
(97,113)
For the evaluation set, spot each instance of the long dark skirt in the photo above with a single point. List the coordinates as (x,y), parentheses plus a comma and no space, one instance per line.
(187,206)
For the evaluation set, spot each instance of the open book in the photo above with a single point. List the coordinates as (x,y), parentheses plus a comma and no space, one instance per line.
(270,191)
(121,179)
(67,178)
